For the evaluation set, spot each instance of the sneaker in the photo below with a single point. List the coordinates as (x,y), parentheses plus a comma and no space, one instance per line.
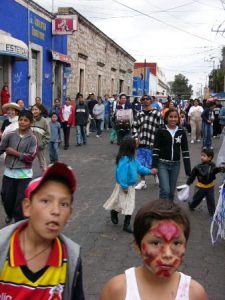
(141,186)
(211,148)
(97,136)
(192,142)
(198,141)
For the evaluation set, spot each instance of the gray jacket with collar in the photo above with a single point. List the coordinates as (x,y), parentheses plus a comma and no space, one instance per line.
(73,286)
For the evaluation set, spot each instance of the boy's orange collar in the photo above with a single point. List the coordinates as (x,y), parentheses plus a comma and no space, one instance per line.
(16,257)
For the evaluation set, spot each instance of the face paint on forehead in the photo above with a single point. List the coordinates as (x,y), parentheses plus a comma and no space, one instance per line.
(167,230)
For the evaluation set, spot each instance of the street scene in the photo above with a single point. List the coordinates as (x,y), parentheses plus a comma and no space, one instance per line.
(112,150)
(106,249)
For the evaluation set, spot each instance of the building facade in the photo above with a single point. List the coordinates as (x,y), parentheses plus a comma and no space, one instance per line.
(32,60)
(99,65)
(153,77)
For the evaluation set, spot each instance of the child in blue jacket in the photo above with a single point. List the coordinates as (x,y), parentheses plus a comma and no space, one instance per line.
(127,170)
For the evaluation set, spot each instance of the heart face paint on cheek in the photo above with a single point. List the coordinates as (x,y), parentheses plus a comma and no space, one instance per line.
(168,230)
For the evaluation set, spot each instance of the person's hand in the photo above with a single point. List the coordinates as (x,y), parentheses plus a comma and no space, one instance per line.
(154,171)
(11,151)
(125,191)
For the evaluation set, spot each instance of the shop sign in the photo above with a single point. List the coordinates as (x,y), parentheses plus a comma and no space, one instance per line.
(65,24)
(38,27)
(13,50)
(67,71)
(61,57)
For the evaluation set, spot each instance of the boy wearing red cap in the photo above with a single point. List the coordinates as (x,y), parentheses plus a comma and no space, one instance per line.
(36,260)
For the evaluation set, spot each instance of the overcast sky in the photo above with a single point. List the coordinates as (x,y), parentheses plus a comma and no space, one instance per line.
(178,35)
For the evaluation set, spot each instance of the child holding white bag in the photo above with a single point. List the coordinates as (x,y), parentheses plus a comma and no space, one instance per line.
(127,170)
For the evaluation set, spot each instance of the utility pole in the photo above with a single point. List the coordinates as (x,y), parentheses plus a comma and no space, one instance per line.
(144,76)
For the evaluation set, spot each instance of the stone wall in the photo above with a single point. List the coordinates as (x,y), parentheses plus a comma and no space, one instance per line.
(104,63)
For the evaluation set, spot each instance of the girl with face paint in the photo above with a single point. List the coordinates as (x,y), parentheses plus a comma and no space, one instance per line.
(161,231)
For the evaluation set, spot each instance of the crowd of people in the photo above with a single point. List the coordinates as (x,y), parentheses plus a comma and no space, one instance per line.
(152,138)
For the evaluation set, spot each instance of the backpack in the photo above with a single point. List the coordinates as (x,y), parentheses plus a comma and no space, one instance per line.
(123,119)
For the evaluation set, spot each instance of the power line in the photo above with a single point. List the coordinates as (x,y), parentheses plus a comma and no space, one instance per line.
(163,22)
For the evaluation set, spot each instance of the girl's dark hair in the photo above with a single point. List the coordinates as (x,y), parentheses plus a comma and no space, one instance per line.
(169,112)
(26,113)
(127,148)
(158,210)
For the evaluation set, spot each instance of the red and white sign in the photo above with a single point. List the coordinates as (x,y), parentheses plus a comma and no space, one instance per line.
(61,57)
(65,24)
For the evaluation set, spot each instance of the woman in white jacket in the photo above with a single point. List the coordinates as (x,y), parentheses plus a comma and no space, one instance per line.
(98,112)
(195,121)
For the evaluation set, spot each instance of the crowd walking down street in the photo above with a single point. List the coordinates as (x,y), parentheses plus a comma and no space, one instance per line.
(101,167)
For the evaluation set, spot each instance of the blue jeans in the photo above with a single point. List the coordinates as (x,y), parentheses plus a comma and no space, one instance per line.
(106,121)
(81,134)
(207,131)
(168,173)
(98,126)
(53,151)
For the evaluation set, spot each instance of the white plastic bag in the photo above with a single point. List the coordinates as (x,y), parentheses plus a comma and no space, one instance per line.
(183,192)
(221,155)
(218,223)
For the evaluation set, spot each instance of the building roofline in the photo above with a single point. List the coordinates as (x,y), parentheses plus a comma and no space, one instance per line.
(39,8)
(97,30)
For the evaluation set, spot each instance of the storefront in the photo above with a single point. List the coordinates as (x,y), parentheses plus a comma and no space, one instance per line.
(11,50)
(61,63)
(26,61)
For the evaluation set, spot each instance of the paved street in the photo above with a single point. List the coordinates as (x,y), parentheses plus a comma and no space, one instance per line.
(106,249)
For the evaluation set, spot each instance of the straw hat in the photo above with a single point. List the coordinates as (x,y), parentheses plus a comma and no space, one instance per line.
(11,105)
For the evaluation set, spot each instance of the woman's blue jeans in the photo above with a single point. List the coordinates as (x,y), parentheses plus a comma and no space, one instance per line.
(207,131)
(168,173)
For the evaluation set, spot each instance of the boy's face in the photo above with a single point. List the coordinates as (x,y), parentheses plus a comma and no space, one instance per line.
(68,102)
(81,99)
(57,103)
(49,210)
(20,103)
(163,248)
(24,124)
(54,118)
(205,158)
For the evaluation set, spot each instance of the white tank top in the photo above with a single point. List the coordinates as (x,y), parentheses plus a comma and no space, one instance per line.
(132,288)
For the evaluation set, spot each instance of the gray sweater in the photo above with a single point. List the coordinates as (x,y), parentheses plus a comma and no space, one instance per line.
(98,111)
(26,146)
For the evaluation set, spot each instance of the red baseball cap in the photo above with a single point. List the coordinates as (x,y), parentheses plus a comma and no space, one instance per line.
(57,168)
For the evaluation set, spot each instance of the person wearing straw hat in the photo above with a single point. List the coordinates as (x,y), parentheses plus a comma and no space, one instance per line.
(11,123)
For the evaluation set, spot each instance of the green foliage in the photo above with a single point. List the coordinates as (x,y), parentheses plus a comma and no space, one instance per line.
(216,80)
(180,86)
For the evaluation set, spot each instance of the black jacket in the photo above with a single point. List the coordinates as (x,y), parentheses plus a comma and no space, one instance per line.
(205,172)
(81,114)
(168,148)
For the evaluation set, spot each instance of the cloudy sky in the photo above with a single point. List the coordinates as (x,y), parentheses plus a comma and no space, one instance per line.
(180,35)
